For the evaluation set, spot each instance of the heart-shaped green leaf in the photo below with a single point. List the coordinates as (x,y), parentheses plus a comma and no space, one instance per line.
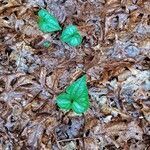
(71,36)
(76,97)
(47,22)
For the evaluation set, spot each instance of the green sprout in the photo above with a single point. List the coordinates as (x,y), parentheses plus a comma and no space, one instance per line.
(47,44)
(47,22)
(71,36)
(76,97)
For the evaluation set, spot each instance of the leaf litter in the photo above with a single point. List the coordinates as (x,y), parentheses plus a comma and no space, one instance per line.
(114,54)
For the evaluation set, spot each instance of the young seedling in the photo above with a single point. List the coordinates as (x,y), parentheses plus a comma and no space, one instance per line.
(76,97)
(47,22)
(46,44)
(71,36)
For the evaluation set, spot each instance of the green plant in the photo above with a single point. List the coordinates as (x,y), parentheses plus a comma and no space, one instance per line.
(47,22)
(76,97)
(71,36)
(46,44)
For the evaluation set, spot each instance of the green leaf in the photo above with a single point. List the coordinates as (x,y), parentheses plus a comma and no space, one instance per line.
(76,97)
(47,22)
(71,36)
(80,107)
(64,101)
(78,88)
(79,93)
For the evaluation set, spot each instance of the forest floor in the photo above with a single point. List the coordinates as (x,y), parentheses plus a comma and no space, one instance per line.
(114,55)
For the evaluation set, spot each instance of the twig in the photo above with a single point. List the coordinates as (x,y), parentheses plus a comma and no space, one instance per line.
(66,140)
